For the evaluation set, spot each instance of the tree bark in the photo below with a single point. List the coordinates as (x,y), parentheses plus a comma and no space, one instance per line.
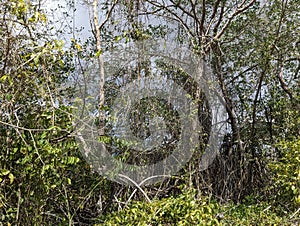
(101,69)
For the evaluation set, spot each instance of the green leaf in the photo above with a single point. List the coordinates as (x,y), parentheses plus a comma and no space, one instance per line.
(11,178)
(4,172)
(118,38)
(98,53)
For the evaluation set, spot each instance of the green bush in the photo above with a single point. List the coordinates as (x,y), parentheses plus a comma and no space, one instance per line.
(252,214)
(181,210)
(186,209)
(287,174)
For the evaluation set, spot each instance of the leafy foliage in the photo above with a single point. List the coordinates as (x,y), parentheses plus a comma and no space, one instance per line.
(181,210)
(190,209)
(39,161)
(287,174)
(255,56)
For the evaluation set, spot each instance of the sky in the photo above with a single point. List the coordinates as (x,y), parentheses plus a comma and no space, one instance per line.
(80,16)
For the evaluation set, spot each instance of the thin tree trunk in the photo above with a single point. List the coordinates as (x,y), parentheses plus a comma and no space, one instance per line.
(101,68)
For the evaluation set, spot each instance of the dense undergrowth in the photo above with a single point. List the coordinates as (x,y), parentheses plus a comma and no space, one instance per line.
(255,57)
(188,209)
(280,207)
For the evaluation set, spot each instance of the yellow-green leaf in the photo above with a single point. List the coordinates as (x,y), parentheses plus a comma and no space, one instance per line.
(11,178)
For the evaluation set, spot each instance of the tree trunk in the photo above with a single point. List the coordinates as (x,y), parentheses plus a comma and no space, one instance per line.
(101,69)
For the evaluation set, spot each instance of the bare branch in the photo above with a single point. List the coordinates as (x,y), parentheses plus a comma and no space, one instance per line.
(283,85)
(23,128)
(203,17)
(238,11)
(213,15)
(136,185)
(197,23)
(175,15)
(108,15)
(220,18)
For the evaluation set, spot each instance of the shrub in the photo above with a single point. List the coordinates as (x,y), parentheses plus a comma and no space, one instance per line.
(181,210)
(287,174)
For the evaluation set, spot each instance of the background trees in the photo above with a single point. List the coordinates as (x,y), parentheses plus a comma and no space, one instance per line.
(253,49)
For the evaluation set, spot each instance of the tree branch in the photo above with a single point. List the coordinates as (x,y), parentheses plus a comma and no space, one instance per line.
(238,11)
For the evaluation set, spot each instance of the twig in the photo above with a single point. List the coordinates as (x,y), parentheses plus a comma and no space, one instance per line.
(144,181)
(294,214)
(237,11)
(135,184)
